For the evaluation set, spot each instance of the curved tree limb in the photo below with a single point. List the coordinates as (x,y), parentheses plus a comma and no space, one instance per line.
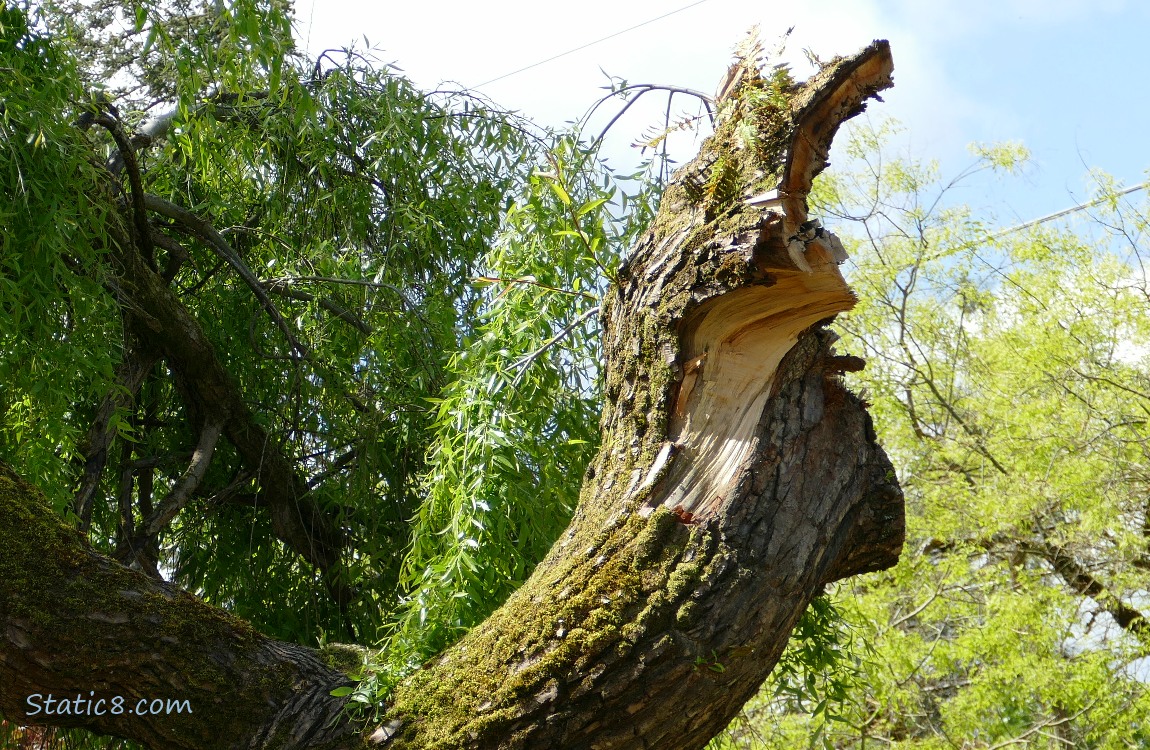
(142,231)
(205,231)
(737,477)
(170,330)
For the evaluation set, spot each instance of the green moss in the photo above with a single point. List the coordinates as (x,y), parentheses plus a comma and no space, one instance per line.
(30,541)
(345,657)
(685,617)
(51,580)
(628,583)
(652,541)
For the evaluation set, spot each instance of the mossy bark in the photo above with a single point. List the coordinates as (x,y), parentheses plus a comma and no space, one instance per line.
(737,477)
(75,624)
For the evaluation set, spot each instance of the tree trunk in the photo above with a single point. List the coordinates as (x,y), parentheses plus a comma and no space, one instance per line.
(737,477)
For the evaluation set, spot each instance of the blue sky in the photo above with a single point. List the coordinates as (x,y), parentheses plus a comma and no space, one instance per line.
(1068,78)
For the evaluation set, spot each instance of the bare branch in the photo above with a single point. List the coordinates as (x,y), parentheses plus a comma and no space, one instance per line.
(640,89)
(188,483)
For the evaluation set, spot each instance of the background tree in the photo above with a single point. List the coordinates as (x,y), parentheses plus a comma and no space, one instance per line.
(367,222)
(1008,375)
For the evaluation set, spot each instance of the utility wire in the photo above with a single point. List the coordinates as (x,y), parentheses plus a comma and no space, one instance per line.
(1065,211)
(589,44)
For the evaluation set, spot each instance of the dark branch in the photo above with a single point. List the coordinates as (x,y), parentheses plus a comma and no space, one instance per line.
(216,241)
(1082,582)
(101,434)
(143,233)
(347,316)
(188,483)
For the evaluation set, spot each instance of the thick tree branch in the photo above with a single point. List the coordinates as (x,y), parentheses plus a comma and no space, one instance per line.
(168,328)
(74,624)
(737,476)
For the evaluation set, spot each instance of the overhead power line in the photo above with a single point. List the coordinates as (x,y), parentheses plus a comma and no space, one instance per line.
(590,44)
(1066,211)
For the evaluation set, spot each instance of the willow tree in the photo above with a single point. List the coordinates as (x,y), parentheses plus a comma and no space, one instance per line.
(223,323)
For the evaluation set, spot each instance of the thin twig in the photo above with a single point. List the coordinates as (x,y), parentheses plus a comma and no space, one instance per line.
(532,282)
(336,466)
(526,361)
(347,316)
(645,88)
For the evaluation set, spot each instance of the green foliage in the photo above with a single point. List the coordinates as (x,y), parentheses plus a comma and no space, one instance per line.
(519,418)
(437,263)
(343,188)
(1008,377)
(55,324)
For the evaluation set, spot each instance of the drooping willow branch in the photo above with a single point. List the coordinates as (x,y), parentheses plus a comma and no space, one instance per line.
(143,231)
(216,241)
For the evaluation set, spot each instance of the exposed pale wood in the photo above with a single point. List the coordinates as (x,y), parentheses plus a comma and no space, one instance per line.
(742,337)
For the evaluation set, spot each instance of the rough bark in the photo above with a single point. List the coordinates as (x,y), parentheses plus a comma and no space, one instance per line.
(75,624)
(737,477)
